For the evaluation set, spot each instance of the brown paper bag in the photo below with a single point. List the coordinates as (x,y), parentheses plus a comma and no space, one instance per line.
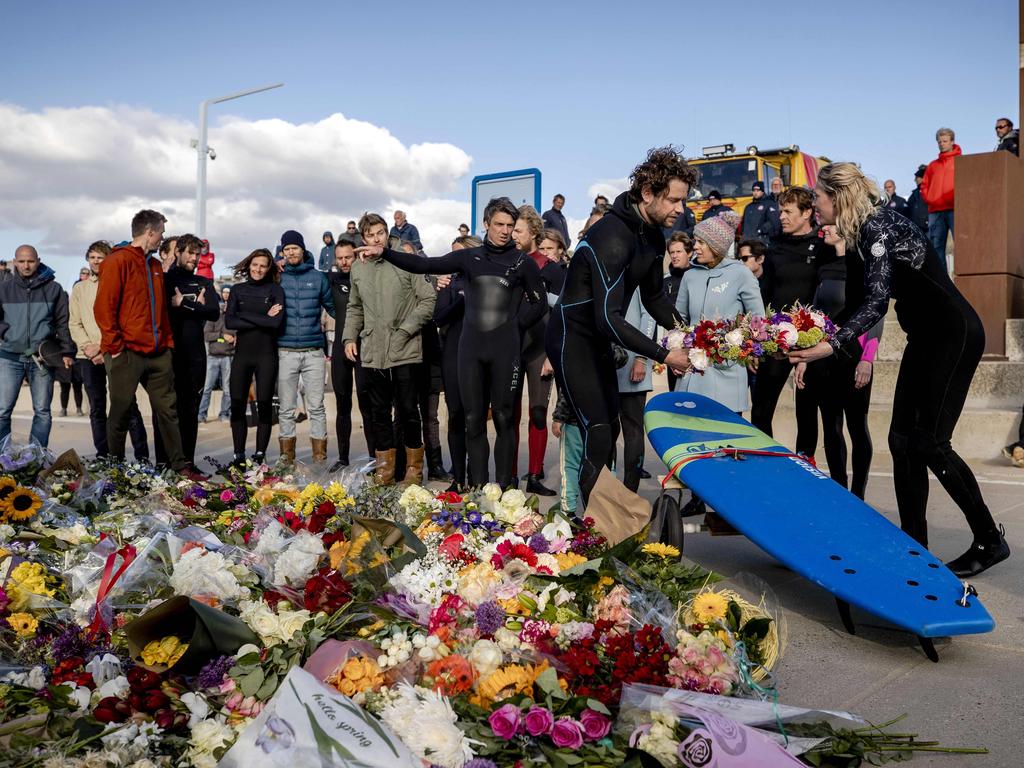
(67,460)
(618,512)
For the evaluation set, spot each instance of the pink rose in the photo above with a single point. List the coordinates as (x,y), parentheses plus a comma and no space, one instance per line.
(595,725)
(715,656)
(226,495)
(567,733)
(539,721)
(505,721)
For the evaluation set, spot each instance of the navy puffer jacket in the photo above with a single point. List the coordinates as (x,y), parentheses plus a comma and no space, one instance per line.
(306,292)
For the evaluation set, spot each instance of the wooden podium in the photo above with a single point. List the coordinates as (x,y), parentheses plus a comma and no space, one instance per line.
(989,240)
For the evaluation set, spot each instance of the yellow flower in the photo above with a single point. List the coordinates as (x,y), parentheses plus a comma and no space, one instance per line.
(7,486)
(23,624)
(428,527)
(164,652)
(567,560)
(356,675)
(347,552)
(504,682)
(27,579)
(21,504)
(660,550)
(514,607)
(709,606)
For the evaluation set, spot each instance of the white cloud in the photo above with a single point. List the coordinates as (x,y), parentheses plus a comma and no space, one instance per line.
(610,188)
(79,174)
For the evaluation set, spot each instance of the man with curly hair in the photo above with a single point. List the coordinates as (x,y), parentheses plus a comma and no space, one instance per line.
(620,254)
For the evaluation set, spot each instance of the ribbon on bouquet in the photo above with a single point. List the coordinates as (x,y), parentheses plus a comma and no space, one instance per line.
(107,582)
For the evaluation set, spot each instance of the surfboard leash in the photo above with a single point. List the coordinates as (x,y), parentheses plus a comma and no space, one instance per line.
(735,454)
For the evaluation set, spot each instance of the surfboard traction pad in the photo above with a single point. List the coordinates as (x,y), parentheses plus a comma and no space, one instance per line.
(889,575)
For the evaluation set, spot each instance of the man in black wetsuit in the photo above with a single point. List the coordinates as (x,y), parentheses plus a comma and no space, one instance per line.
(620,254)
(790,275)
(191,301)
(497,279)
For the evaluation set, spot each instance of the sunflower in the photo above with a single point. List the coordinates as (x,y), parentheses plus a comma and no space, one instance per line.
(504,682)
(23,624)
(660,550)
(7,486)
(21,503)
(709,606)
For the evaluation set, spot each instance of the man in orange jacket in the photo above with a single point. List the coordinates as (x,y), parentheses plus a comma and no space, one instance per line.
(135,338)
(937,189)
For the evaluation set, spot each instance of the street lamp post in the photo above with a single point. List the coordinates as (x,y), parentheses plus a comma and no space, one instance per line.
(202,150)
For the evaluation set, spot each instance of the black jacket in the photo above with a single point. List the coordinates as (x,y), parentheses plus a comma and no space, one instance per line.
(917,210)
(1010,142)
(791,269)
(714,210)
(761,220)
(672,281)
(188,321)
(899,205)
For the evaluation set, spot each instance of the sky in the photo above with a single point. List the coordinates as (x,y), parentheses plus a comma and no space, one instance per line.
(400,104)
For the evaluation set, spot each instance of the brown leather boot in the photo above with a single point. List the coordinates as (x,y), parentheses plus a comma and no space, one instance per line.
(413,466)
(287,445)
(385,473)
(319,448)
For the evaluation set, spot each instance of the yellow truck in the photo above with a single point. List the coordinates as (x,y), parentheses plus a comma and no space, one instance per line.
(732,173)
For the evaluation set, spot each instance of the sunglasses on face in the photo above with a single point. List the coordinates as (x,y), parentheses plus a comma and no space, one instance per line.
(1001,126)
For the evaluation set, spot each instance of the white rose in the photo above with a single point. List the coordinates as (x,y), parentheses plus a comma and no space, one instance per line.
(513,498)
(292,622)
(485,657)
(492,492)
(698,359)
(296,563)
(262,620)
(210,735)
(734,337)
(675,339)
(788,332)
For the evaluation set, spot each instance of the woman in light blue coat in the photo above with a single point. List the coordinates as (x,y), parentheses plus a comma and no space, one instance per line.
(634,384)
(717,287)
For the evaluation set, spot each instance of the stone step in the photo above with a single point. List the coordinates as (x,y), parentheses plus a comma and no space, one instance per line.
(890,348)
(996,384)
(1015,340)
(980,433)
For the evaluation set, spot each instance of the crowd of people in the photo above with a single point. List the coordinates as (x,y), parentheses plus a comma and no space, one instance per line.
(495,322)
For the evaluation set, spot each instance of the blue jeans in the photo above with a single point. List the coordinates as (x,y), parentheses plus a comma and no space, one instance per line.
(40,384)
(218,371)
(940,224)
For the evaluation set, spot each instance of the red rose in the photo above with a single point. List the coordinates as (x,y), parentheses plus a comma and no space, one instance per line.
(326,591)
(112,710)
(141,680)
(169,720)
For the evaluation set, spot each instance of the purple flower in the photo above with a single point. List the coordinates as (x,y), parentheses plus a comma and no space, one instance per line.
(212,675)
(539,544)
(404,608)
(506,721)
(490,617)
(475,518)
(539,721)
(69,643)
(480,762)
(567,733)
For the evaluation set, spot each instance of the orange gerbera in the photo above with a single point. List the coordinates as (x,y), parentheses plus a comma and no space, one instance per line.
(452,674)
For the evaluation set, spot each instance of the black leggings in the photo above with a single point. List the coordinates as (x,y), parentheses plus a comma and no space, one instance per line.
(456,412)
(585,372)
(935,374)
(255,359)
(830,388)
(489,371)
(631,418)
(343,373)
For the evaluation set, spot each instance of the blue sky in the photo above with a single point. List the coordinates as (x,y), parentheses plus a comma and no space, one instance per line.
(579,90)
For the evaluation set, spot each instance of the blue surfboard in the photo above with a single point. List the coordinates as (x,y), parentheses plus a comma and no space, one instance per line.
(802,518)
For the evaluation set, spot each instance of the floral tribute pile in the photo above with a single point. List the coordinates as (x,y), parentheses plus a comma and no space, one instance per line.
(148,621)
(746,339)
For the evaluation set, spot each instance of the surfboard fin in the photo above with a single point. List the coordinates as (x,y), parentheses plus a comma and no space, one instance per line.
(846,616)
(929,649)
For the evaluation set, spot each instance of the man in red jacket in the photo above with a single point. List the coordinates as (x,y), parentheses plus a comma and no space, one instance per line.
(937,189)
(135,338)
